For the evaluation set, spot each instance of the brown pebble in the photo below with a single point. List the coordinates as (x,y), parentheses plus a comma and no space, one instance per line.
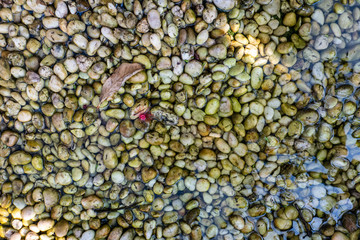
(61,228)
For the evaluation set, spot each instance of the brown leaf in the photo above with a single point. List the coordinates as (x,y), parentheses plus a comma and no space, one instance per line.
(118,79)
(349,222)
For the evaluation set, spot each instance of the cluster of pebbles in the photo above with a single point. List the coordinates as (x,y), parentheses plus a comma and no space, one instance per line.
(253,123)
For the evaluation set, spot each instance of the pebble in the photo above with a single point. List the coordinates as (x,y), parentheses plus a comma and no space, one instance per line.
(339,236)
(155,41)
(218,51)
(87,235)
(225,5)
(173,175)
(19,203)
(289,19)
(171,230)
(269,113)
(20,158)
(318,191)
(110,158)
(117,177)
(318,16)
(212,231)
(170,217)
(202,37)
(327,203)
(153,18)
(51,197)
(318,71)
(325,5)
(63,178)
(335,29)
(274,103)
(45,224)
(273,7)
(92,202)
(237,222)
(311,55)
(346,20)
(202,185)
(321,42)
(28,213)
(190,183)
(24,116)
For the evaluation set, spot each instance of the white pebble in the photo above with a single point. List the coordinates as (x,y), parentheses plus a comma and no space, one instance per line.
(88,235)
(269,113)
(117,177)
(318,16)
(318,191)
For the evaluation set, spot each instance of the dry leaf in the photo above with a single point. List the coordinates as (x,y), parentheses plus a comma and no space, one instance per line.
(118,79)
(349,222)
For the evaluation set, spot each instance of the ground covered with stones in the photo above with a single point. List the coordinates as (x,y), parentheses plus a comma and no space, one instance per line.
(179,119)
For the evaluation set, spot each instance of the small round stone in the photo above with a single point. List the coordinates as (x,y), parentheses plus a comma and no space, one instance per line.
(202,185)
(117,177)
(318,191)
